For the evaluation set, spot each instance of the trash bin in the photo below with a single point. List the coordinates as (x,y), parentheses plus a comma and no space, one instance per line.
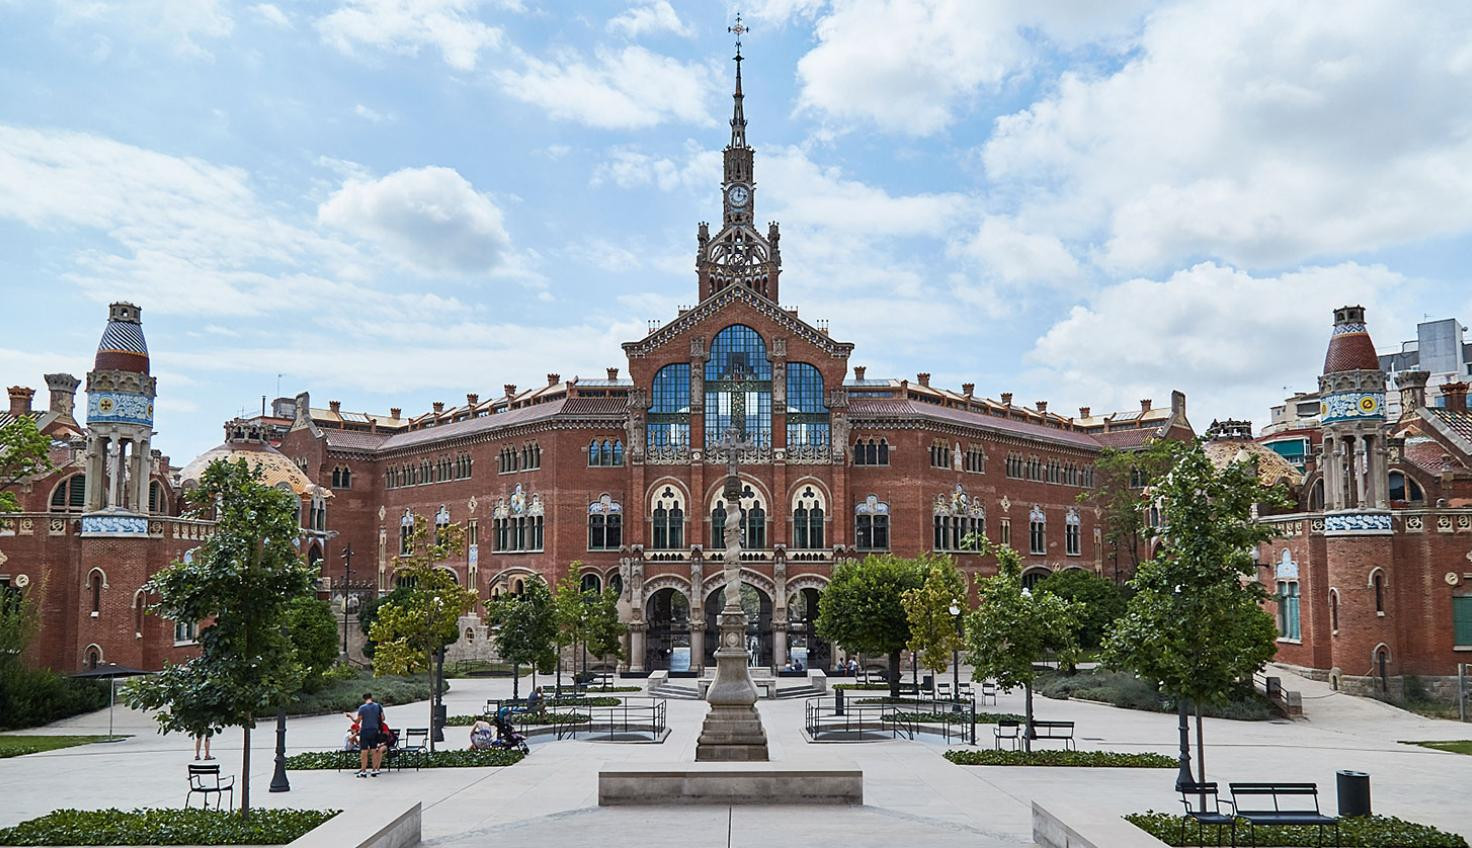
(439,723)
(838,702)
(927,683)
(1354,793)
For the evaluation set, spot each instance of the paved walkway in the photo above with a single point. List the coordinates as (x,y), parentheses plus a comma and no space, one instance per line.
(912,794)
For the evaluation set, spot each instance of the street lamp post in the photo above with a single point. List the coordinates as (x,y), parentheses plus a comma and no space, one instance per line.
(956,657)
(347,580)
(279,783)
(1183,774)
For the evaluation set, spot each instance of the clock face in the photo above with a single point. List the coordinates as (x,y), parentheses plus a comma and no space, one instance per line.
(738,195)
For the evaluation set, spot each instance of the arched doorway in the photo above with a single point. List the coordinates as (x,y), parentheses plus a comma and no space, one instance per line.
(758,606)
(667,635)
(803,643)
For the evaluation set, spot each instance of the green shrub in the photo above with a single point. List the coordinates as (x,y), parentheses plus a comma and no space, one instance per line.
(1124,689)
(950,718)
(874,687)
(456,758)
(164,827)
(1363,832)
(1085,759)
(343,694)
(31,697)
(314,634)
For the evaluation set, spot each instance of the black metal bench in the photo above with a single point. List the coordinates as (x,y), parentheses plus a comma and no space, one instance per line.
(1254,793)
(1208,811)
(1055,730)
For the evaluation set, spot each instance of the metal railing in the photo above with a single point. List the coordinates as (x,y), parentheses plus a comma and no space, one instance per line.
(570,716)
(829,718)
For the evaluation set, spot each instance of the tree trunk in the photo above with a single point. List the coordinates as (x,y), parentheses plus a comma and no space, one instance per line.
(434,695)
(515,681)
(1027,734)
(1200,748)
(894,674)
(558,687)
(245,771)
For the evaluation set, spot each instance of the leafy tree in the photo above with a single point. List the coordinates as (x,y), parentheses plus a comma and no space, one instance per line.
(1119,494)
(313,632)
(933,636)
(1012,627)
(525,629)
(863,606)
(1100,602)
(603,632)
(24,453)
(408,632)
(1195,623)
(242,580)
(569,613)
(368,613)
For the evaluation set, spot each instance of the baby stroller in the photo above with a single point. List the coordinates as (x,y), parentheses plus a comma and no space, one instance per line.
(507,737)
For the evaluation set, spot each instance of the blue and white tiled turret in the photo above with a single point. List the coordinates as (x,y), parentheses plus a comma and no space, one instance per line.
(120,398)
(1352,414)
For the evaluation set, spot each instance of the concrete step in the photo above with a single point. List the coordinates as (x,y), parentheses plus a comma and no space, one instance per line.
(684,693)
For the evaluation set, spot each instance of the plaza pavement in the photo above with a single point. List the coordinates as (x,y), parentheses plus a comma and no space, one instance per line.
(912,795)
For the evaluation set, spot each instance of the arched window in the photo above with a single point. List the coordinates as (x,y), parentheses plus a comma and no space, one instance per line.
(718,526)
(1403,488)
(807,410)
(871,452)
(1334,610)
(807,520)
(1037,531)
(605,524)
(616,583)
(95,581)
(1377,582)
(70,495)
(406,532)
(1316,496)
(1382,667)
(667,520)
(590,583)
(754,527)
(1288,620)
(738,386)
(93,657)
(871,525)
(1072,535)
(1033,576)
(669,412)
(441,525)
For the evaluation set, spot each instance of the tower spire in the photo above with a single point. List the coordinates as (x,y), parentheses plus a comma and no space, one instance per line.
(738,115)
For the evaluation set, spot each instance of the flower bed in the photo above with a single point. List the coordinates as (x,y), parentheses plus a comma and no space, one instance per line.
(1361,832)
(164,827)
(1083,759)
(454,758)
(525,718)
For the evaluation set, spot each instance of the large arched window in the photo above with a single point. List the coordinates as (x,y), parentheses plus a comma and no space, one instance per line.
(807,411)
(667,520)
(605,524)
(753,523)
(871,525)
(807,520)
(1403,488)
(738,387)
(70,495)
(669,414)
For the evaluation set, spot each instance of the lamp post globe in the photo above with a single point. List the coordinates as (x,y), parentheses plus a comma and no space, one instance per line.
(956,658)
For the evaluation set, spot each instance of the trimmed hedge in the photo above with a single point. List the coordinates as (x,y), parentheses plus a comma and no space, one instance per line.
(19,746)
(1360,832)
(32,697)
(1124,689)
(868,687)
(455,758)
(164,827)
(1082,759)
(345,694)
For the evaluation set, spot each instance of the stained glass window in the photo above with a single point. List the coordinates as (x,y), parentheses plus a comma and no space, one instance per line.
(738,386)
(669,415)
(807,411)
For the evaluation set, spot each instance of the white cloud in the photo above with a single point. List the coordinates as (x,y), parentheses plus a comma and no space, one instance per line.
(1257,134)
(371,115)
(630,88)
(908,66)
(431,219)
(181,25)
(272,14)
(1229,339)
(628,168)
(407,26)
(650,16)
(1014,255)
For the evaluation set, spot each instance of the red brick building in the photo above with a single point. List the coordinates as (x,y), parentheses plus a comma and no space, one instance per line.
(1370,575)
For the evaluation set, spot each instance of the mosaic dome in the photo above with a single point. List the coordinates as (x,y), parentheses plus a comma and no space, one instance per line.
(123,347)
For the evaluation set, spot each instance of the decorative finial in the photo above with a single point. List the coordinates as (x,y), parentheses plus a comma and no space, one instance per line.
(738,28)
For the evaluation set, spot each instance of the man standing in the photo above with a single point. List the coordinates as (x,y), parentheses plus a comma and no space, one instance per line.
(370,735)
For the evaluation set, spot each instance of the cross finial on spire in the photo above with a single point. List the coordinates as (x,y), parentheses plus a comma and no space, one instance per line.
(738,115)
(738,28)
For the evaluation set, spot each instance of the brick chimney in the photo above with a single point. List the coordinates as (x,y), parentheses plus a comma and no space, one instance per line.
(20,400)
(1042,407)
(1145,406)
(472,399)
(923,378)
(1007,398)
(968,389)
(553,379)
(439,407)
(859,371)
(510,389)
(63,388)
(335,406)
(394,412)
(1454,393)
(1083,412)
(613,373)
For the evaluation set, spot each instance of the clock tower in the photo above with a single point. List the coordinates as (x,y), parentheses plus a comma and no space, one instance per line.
(738,254)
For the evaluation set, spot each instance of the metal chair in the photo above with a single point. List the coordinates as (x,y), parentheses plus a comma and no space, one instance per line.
(1207,811)
(943,691)
(206,780)
(1007,729)
(988,690)
(415,746)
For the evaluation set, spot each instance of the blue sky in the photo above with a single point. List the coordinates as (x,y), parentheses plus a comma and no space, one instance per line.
(392,202)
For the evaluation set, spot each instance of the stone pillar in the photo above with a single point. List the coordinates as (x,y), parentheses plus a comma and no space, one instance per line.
(115,474)
(141,470)
(732,731)
(697,639)
(636,646)
(779,642)
(97,473)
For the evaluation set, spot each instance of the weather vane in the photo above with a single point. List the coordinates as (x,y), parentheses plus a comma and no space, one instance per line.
(738,28)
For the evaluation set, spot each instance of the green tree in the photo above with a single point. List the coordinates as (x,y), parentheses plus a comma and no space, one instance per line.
(368,613)
(933,636)
(242,580)
(569,614)
(408,632)
(1195,623)
(863,607)
(1012,627)
(525,629)
(603,635)
(1120,477)
(24,453)
(312,630)
(1100,602)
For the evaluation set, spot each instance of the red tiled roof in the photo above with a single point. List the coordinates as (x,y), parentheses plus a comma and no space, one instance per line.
(353,439)
(1351,351)
(902,408)
(601,406)
(1426,454)
(472,426)
(1457,420)
(1127,438)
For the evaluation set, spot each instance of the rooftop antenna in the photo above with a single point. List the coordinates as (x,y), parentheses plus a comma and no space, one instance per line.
(278,385)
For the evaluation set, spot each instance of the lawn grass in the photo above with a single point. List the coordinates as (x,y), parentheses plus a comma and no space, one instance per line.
(17,746)
(164,827)
(1456,746)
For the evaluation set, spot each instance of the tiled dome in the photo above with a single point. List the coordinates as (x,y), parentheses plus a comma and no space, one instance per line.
(1350,348)
(123,347)
(242,442)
